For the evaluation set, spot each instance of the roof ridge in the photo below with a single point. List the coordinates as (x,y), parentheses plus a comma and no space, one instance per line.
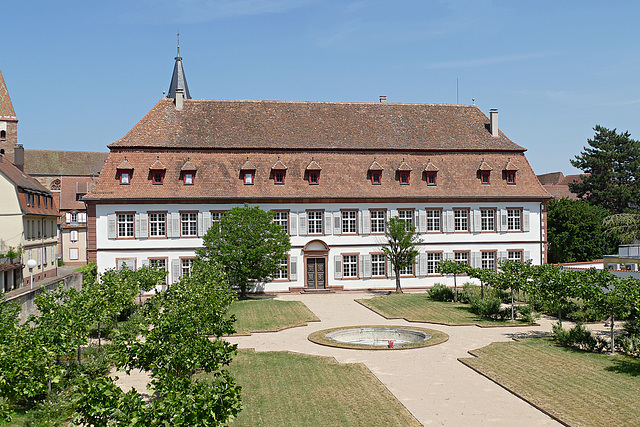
(283,101)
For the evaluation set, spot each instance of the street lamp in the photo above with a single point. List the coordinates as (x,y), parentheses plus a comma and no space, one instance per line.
(31,263)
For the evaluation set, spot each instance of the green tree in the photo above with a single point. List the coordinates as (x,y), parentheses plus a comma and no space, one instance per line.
(575,231)
(611,166)
(455,268)
(555,286)
(249,246)
(485,276)
(515,276)
(401,246)
(624,227)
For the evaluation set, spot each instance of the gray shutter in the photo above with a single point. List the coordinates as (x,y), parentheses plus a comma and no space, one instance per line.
(144,225)
(367,266)
(200,224)
(393,213)
(475,259)
(448,221)
(68,217)
(366,222)
(526,256)
(525,219)
(175,270)
(145,262)
(360,227)
(502,255)
(476,222)
(327,223)
(422,221)
(175,218)
(503,220)
(82,217)
(293,223)
(337,262)
(111,226)
(206,222)
(337,223)
(38,256)
(390,271)
(302,216)
(169,224)
(136,226)
(293,268)
(423,264)
(361,266)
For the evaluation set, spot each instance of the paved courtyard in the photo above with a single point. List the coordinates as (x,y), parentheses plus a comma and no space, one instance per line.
(432,384)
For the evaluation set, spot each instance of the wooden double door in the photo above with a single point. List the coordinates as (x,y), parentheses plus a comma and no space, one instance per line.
(316,273)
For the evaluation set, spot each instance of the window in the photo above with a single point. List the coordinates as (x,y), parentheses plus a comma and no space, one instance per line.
(484,177)
(461,257)
(188,178)
(315,222)
(282,219)
(124,178)
(283,270)
(404,177)
(377,222)
(461,220)
(248,178)
(159,263)
(514,255)
(215,219)
(513,219)
(349,222)
(511,177)
(406,215)
(433,220)
(125,225)
(313,177)
(74,218)
(73,235)
(185,266)
(488,261)
(157,177)
(129,263)
(73,254)
(487,219)
(157,225)
(433,259)
(78,197)
(3,134)
(431,178)
(378,264)
(407,271)
(376,177)
(189,223)
(278,177)
(350,266)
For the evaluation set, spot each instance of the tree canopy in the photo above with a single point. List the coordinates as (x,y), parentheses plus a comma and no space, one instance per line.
(401,246)
(248,245)
(611,165)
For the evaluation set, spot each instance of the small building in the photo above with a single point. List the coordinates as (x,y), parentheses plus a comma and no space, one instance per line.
(627,258)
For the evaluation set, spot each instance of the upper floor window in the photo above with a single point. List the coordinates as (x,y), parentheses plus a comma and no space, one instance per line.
(485,177)
(157,170)
(377,221)
(406,215)
(511,177)
(124,178)
(157,225)
(403,173)
(186,264)
(315,222)
(314,177)
(487,219)
(349,222)
(460,220)
(157,177)
(125,224)
(73,217)
(188,178)
(484,172)
(313,172)
(404,177)
(248,178)
(3,134)
(514,217)
(509,172)
(282,219)
(283,270)
(216,217)
(248,172)
(189,224)
(125,170)
(278,177)
(376,177)
(433,219)
(431,177)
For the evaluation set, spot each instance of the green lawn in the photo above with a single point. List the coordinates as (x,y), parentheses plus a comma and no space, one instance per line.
(287,389)
(269,315)
(576,387)
(418,307)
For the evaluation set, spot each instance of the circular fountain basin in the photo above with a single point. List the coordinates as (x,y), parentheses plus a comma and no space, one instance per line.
(378,337)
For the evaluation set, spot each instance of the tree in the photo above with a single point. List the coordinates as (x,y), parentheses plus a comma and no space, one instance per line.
(555,286)
(624,226)
(401,246)
(455,268)
(611,165)
(248,245)
(514,275)
(484,275)
(576,231)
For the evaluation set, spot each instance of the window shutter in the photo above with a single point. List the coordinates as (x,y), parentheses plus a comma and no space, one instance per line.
(422,221)
(206,222)
(502,255)
(169,224)
(366,222)
(38,255)
(475,256)
(423,264)
(200,224)
(175,270)
(367,266)
(337,223)
(361,266)
(145,263)
(328,223)
(111,226)
(136,226)
(525,219)
(82,217)
(390,272)
(503,220)
(302,216)
(337,260)
(68,218)
(476,223)
(360,227)
(293,268)
(175,218)
(293,223)
(393,213)
(144,225)
(526,256)
(448,221)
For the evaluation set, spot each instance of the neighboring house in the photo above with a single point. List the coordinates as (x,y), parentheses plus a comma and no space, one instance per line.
(332,172)
(558,185)
(28,224)
(73,215)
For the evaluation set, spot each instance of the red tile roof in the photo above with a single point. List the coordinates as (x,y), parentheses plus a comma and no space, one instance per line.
(6,107)
(69,163)
(70,187)
(26,183)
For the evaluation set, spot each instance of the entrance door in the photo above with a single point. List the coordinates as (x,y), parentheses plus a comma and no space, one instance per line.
(315,273)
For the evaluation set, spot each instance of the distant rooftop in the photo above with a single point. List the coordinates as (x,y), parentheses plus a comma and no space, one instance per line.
(64,163)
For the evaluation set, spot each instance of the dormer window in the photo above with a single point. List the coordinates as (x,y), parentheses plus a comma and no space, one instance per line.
(431,173)
(431,178)
(511,177)
(157,177)
(313,172)
(124,178)
(404,172)
(125,171)
(375,172)
(404,177)
(156,170)
(509,172)
(278,177)
(313,178)
(278,172)
(484,173)
(188,172)
(188,178)
(248,171)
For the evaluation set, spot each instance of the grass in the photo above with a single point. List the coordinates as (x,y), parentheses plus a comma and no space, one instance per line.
(319,337)
(269,315)
(418,307)
(576,387)
(287,389)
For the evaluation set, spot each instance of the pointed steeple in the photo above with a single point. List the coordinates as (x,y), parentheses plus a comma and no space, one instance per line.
(6,107)
(178,79)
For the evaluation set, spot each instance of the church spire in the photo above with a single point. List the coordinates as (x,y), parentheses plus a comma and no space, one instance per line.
(178,79)
(6,107)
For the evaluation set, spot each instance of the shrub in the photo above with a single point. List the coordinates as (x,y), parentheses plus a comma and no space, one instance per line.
(468,291)
(579,337)
(527,314)
(440,292)
(629,345)
(487,306)
(632,327)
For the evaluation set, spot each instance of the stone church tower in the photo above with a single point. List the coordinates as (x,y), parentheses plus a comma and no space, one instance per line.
(8,122)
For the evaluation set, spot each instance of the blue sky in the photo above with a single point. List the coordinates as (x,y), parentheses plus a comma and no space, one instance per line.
(82,73)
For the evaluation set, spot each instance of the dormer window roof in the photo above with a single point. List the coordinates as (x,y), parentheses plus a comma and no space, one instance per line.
(509,172)
(248,172)
(509,166)
(313,172)
(188,166)
(313,166)
(404,167)
(431,167)
(157,165)
(375,166)
(484,172)
(125,170)
(279,166)
(375,172)
(431,172)
(404,172)
(125,165)
(248,166)
(484,166)
(187,172)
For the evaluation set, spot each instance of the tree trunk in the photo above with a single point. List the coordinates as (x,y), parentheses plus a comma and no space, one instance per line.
(613,346)
(481,289)
(559,316)
(455,289)
(99,336)
(398,288)
(79,352)
(512,317)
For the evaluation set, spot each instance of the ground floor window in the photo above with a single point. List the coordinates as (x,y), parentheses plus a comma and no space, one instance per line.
(350,266)
(186,264)
(514,255)
(407,271)
(378,264)
(433,259)
(462,257)
(283,271)
(488,260)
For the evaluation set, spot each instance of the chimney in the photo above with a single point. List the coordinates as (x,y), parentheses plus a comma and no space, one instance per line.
(383,98)
(179,99)
(18,157)
(493,115)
